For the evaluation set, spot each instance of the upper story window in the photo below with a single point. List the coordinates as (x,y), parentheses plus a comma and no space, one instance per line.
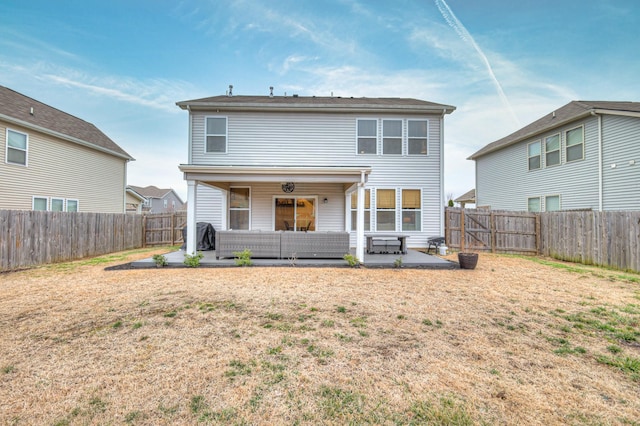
(216,134)
(17,144)
(367,136)
(411,217)
(552,203)
(552,150)
(417,137)
(533,204)
(392,137)
(533,151)
(575,144)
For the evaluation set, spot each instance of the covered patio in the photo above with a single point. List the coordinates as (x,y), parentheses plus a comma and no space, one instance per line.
(413,259)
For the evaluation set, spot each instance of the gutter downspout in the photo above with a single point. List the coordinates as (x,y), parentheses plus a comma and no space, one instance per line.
(600,162)
(360,219)
(441,218)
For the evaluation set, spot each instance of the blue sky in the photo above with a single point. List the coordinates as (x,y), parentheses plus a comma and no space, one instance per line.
(122,64)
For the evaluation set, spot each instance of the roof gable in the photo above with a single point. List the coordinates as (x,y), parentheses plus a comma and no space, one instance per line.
(31,113)
(572,111)
(151,191)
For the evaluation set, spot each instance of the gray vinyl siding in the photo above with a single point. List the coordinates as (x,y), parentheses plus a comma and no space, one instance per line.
(503,180)
(306,139)
(209,206)
(61,169)
(621,185)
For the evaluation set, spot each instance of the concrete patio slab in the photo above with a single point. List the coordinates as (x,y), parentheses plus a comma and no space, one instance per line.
(413,259)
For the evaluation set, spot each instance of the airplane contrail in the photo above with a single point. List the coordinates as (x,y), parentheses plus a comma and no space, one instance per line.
(460,29)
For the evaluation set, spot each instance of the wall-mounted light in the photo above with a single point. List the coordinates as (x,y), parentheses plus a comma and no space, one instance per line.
(632,162)
(613,166)
(326,200)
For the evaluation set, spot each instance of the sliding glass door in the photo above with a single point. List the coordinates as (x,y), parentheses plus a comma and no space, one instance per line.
(295,214)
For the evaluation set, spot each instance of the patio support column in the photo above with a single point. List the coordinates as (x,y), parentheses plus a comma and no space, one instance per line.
(360,224)
(192,187)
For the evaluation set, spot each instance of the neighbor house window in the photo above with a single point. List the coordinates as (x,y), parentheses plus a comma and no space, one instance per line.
(367,136)
(533,204)
(216,134)
(72,205)
(575,144)
(552,203)
(57,204)
(411,211)
(166,203)
(367,210)
(533,150)
(392,137)
(552,150)
(239,206)
(417,137)
(386,210)
(17,147)
(40,203)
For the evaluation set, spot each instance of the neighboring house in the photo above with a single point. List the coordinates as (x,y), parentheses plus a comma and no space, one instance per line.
(585,155)
(135,201)
(51,160)
(158,200)
(317,164)
(468,197)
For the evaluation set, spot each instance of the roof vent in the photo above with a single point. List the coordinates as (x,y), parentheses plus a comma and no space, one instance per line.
(31,111)
(295,95)
(271,91)
(230,90)
(553,114)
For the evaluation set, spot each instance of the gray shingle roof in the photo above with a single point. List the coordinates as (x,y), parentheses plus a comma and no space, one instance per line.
(151,191)
(572,111)
(315,103)
(17,106)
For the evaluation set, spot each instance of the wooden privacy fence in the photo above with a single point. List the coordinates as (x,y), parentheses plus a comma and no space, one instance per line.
(492,230)
(594,238)
(30,238)
(163,228)
(609,239)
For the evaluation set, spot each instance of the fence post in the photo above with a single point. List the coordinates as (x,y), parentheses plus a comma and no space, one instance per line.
(538,233)
(462,232)
(492,224)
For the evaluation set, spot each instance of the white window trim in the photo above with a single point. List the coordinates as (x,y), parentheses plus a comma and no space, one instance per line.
(52,199)
(566,146)
(238,208)
(33,202)
(402,210)
(530,157)
(427,136)
(402,132)
(559,150)
(552,195)
(226,134)
(26,150)
(395,209)
(539,204)
(66,204)
(377,136)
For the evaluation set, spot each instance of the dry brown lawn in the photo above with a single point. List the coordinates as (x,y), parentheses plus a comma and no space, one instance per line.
(516,341)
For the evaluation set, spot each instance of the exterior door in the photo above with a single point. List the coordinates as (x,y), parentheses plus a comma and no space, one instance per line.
(295,214)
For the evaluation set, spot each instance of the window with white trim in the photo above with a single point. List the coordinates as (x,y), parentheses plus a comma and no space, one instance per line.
(72,205)
(367,136)
(411,210)
(552,150)
(533,204)
(392,137)
(17,144)
(216,134)
(417,137)
(552,203)
(574,144)
(239,207)
(165,203)
(367,210)
(57,204)
(533,152)
(40,203)
(385,210)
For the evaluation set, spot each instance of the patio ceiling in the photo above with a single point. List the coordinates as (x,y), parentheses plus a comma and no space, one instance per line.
(221,176)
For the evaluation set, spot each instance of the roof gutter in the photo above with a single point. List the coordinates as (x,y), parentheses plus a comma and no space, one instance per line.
(66,137)
(256,106)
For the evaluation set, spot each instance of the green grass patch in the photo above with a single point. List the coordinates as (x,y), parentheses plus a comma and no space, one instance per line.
(627,364)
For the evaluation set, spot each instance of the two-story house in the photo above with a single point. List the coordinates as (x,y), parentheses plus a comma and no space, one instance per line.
(584,155)
(51,160)
(158,200)
(316,164)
